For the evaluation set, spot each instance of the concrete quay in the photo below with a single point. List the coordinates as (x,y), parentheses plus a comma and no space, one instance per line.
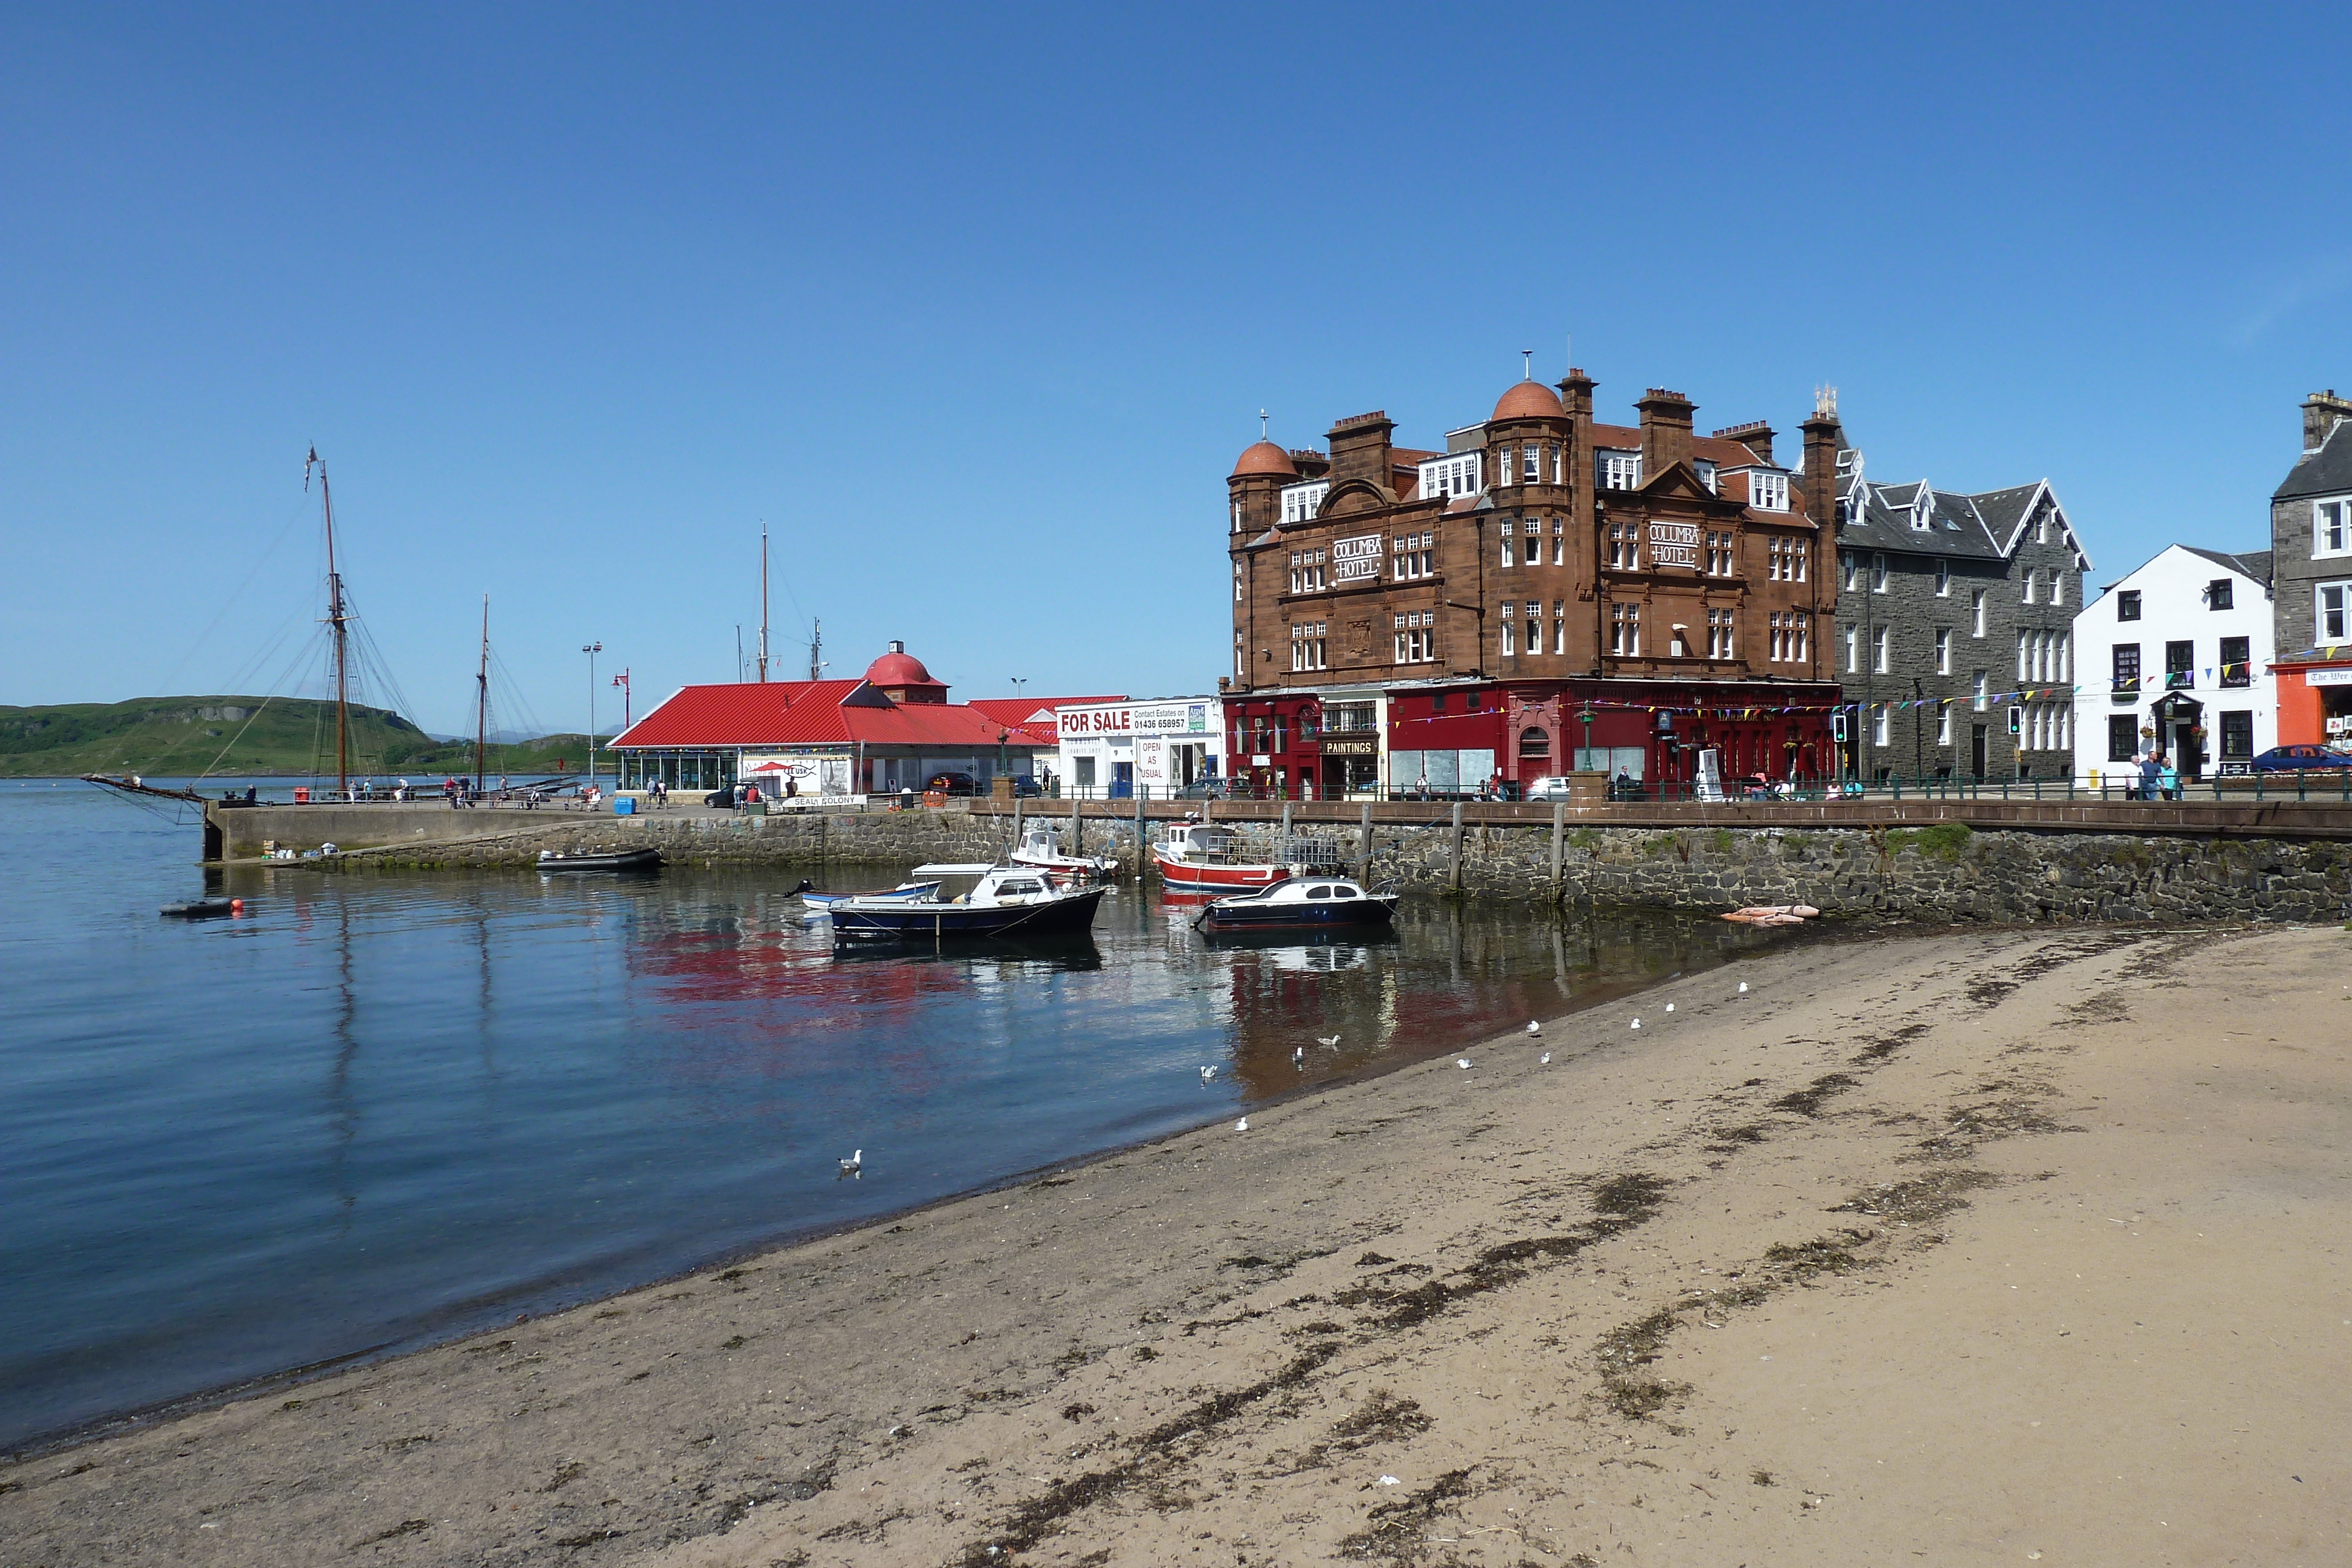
(2009,862)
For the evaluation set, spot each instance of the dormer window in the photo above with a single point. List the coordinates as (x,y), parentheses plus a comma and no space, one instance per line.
(1768,492)
(1705,474)
(1301,502)
(1449,476)
(1620,470)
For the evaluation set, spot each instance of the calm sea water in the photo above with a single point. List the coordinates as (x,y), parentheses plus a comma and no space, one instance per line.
(381,1108)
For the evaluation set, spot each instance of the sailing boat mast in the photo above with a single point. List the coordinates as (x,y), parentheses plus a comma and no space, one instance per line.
(339,617)
(482,696)
(764,601)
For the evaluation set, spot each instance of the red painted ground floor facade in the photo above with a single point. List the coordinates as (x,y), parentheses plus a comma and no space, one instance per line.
(2315,702)
(1467,735)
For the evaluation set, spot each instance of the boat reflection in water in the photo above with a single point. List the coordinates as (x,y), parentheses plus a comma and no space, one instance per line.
(475,1095)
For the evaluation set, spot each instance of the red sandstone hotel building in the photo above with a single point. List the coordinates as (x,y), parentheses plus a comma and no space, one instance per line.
(1545,593)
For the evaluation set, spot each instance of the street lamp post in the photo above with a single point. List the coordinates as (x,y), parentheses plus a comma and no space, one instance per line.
(592,650)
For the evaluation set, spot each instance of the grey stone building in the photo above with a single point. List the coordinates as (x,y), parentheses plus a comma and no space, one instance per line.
(2311,597)
(1954,640)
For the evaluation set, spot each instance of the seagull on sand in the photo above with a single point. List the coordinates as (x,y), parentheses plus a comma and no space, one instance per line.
(1743,987)
(1637,1023)
(853,1165)
(1207,1073)
(1533,1027)
(1241,1125)
(1461,1062)
(1670,1007)
(1545,1059)
(1328,1041)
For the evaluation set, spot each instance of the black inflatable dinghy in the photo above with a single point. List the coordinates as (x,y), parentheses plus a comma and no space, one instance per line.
(200,909)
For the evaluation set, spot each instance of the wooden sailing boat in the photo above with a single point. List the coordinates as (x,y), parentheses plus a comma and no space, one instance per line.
(337,621)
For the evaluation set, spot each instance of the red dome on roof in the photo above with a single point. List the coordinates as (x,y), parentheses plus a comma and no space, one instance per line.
(898,668)
(1528,399)
(1265,457)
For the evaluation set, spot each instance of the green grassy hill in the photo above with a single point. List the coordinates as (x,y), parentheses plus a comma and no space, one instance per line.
(183,737)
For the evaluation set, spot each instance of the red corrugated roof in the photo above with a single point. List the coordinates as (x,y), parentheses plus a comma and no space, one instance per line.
(810,712)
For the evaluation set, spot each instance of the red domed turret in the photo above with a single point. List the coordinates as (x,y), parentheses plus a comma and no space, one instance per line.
(1528,399)
(1265,457)
(900,676)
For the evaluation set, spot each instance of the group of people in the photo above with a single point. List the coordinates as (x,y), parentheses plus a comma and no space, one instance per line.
(2154,778)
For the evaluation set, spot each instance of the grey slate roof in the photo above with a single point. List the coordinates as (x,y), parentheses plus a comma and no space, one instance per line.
(1972,528)
(2256,564)
(2325,472)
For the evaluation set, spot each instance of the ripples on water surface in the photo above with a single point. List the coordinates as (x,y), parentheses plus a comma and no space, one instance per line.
(384,1106)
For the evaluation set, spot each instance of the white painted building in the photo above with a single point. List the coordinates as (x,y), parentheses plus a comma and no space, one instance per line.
(1164,746)
(2175,659)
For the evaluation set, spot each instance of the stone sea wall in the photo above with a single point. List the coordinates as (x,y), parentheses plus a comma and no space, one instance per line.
(1945,872)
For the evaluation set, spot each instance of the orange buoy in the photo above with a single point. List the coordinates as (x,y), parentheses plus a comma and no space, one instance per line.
(236,906)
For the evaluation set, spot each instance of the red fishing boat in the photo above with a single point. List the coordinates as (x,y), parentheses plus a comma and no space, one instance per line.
(1199,857)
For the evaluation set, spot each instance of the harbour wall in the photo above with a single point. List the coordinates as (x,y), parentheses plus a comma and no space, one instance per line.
(2149,863)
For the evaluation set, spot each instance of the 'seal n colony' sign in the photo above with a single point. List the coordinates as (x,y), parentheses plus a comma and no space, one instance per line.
(1358,560)
(1674,544)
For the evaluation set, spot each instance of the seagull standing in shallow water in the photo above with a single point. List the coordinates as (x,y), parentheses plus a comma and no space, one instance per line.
(1328,1041)
(853,1165)
(1298,1056)
(1207,1073)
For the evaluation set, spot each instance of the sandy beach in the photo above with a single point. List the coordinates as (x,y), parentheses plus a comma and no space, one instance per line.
(1961,1248)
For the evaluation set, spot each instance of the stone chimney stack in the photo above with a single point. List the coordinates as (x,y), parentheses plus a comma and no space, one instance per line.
(1756,436)
(1825,438)
(1666,431)
(2321,409)
(1359,449)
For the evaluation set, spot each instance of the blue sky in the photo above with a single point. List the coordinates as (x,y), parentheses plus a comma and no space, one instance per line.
(975,307)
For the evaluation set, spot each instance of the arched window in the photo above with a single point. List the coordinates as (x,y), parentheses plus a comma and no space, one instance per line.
(1535,743)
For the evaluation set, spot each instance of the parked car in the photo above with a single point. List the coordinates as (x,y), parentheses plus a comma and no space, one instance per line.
(1026,787)
(1551,787)
(952,784)
(1204,790)
(725,797)
(2294,758)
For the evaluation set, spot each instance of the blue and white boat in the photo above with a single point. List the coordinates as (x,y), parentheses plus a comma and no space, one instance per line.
(1302,903)
(1008,900)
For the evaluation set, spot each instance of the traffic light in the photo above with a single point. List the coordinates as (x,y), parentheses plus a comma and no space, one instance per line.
(1837,726)
(2016,721)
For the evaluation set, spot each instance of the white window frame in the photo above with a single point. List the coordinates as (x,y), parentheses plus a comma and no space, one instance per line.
(1878,571)
(1880,723)
(1768,491)
(1944,723)
(1943,579)
(2322,635)
(2332,515)
(1943,650)
(1981,697)
(1977,612)
(1620,470)
(2033,581)
(1853,650)
(1301,502)
(1456,474)
(1879,641)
